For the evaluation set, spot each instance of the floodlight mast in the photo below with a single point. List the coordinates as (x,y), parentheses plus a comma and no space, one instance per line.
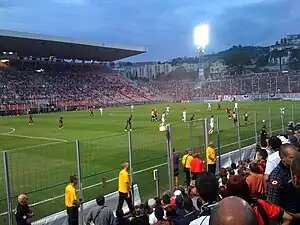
(201,38)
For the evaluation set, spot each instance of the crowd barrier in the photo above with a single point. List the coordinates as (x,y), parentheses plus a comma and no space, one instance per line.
(111,201)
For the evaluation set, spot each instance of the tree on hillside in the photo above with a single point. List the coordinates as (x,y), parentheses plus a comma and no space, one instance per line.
(295,60)
(236,60)
(278,54)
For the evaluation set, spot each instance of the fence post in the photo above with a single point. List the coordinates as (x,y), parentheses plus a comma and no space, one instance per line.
(238,134)
(270,123)
(255,127)
(219,144)
(205,139)
(79,171)
(8,191)
(282,113)
(191,134)
(130,163)
(156,178)
(170,157)
(293,118)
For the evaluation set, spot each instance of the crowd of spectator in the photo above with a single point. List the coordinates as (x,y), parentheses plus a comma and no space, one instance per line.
(23,89)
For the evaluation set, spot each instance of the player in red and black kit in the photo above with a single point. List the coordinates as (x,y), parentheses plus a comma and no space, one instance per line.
(228,111)
(219,105)
(30,119)
(246,116)
(128,123)
(91,111)
(60,123)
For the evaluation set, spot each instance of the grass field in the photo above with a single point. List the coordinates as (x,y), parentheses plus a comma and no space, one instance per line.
(41,157)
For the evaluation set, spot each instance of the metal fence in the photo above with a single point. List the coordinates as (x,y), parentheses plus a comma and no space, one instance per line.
(42,171)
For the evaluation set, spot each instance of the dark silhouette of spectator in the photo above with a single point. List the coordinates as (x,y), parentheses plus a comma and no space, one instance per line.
(176,166)
(262,156)
(190,212)
(121,220)
(140,218)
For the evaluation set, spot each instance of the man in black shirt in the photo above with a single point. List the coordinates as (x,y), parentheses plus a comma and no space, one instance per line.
(128,123)
(263,136)
(23,212)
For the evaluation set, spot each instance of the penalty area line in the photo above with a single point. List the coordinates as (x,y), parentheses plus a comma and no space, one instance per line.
(33,137)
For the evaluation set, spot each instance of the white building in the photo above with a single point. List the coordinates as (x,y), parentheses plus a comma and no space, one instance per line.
(218,67)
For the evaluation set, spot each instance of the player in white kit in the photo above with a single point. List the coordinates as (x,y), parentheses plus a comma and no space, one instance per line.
(101,111)
(163,119)
(236,107)
(168,109)
(184,115)
(208,107)
(211,124)
(282,110)
(132,107)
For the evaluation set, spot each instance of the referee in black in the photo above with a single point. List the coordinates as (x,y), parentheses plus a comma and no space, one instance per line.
(128,123)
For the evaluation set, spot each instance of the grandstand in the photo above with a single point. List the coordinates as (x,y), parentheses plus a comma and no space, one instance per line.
(38,158)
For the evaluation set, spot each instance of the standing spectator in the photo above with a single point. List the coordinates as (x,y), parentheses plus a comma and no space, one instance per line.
(211,158)
(186,163)
(120,218)
(208,190)
(234,168)
(255,180)
(100,214)
(176,166)
(233,211)
(124,188)
(280,177)
(265,212)
(71,201)
(262,156)
(23,212)
(140,218)
(263,136)
(197,166)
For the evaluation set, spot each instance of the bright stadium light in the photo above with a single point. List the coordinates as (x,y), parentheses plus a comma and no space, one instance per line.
(201,39)
(201,36)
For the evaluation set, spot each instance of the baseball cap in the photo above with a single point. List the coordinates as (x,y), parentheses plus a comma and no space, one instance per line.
(152,203)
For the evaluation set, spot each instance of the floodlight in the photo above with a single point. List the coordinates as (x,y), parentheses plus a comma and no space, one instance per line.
(201,36)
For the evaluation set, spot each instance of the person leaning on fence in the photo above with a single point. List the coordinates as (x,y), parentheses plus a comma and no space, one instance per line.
(100,214)
(23,212)
(211,158)
(124,188)
(72,201)
(186,163)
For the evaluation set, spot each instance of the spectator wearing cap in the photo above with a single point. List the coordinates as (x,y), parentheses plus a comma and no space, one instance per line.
(176,166)
(265,212)
(255,180)
(197,166)
(186,163)
(211,158)
(23,212)
(72,201)
(100,214)
(208,190)
(140,217)
(278,187)
(233,211)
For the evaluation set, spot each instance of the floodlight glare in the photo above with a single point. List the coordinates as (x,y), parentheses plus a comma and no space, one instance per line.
(201,36)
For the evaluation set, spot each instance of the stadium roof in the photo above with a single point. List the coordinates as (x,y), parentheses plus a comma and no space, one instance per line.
(38,45)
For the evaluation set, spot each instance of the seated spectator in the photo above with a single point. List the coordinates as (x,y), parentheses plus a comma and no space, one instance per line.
(100,214)
(237,186)
(223,175)
(172,217)
(140,218)
(234,168)
(190,212)
(160,216)
(179,206)
(262,157)
(233,211)
(255,180)
(120,218)
(208,190)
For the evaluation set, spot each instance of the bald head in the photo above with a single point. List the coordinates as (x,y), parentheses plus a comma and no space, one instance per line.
(233,211)
(287,153)
(295,170)
(22,199)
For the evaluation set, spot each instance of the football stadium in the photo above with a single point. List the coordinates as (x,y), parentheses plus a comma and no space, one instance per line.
(61,118)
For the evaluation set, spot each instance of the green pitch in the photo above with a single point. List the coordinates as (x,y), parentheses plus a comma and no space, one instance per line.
(41,157)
